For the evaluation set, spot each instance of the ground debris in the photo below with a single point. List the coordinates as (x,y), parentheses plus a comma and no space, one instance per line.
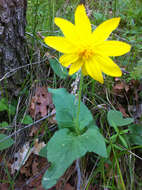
(40,101)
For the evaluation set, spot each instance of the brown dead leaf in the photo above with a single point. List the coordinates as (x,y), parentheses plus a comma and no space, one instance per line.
(40,101)
(52,119)
(26,168)
(38,168)
(68,187)
(37,147)
(120,87)
(35,166)
(92,188)
(4,186)
(34,130)
(36,182)
(40,188)
(122,110)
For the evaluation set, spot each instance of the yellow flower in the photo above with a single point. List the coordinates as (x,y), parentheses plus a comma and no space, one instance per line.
(88,50)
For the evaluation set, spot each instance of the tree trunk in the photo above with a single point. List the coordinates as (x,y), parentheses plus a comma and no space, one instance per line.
(13,51)
(12,35)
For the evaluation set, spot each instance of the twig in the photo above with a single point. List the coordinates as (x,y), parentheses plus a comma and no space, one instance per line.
(10,73)
(15,118)
(91,173)
(33,178)
(30,125)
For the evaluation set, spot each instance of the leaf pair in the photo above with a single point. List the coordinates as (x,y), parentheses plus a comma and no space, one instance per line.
(66,146)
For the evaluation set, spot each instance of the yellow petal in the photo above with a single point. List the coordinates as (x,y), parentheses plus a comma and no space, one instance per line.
(107,66)
(93,69)
(83,69)
(68,59)
(67,28)
(113,48)
(102,32)
(60,44)
(75,67)
(82,22)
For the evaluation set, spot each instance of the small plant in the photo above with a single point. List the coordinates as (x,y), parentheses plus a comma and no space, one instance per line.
(116,120)
(10,109)
(89,52)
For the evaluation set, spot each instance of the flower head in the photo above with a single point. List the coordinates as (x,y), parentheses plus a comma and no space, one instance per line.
(88,50)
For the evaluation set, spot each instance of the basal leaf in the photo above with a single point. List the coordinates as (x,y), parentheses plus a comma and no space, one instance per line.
(115,118)
(66,109)
(65,147)
(6,143)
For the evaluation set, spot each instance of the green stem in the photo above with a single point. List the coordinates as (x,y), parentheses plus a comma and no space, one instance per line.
(119,171)
(117,163)
(79,102)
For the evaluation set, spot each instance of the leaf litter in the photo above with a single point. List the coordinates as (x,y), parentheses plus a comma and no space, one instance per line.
(40,101)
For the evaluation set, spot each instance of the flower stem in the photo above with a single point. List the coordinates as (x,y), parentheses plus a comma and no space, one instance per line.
(79,102)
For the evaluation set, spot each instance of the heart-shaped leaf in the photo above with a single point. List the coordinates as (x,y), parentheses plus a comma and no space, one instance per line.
(66,110)
(115,118)
(65,147)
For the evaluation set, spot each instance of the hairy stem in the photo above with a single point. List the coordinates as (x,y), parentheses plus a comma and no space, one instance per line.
(79,102)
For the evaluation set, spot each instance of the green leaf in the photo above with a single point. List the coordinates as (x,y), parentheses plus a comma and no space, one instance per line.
(43,151)
(118,147)
(136,129)
(5,143)
(58,69)
(123,141)
(99,17)
(3,104)
(4,124)
(113,138)
(65,147)
(11,109)
(135,136)
(115,118)
(135,139)
(66,109)
(27,120)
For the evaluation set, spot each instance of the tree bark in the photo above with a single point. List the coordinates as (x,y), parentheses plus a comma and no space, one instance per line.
(12,35)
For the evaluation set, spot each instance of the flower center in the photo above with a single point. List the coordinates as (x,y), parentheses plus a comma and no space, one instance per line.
(86,54)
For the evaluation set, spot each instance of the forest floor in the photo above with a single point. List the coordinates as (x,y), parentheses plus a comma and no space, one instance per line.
(28,115)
